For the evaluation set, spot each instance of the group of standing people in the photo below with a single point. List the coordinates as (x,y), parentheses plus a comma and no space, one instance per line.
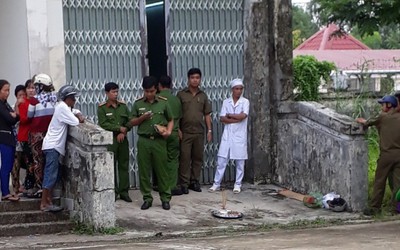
(171,134)
(33,136)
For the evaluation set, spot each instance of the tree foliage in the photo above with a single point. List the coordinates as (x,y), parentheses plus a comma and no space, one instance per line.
(368,15)
(302,26)
(308,72)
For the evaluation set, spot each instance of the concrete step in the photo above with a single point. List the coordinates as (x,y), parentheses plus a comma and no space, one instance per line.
(35,228)
(24,204)
(32,217)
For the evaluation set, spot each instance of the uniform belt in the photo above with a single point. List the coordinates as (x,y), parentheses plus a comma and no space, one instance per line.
(151,137)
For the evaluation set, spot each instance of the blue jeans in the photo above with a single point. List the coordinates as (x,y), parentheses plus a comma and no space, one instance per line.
(7,153)
(51,168)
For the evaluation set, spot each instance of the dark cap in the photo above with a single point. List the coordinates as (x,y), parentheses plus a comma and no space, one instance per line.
(389,99)
(18,89)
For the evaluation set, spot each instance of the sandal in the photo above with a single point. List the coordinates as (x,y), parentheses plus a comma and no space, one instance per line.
(37,194)
(10,197)
(52,208)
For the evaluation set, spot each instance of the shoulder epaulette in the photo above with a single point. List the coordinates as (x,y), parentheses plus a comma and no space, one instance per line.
(121,101)
(101,104)
(163,98)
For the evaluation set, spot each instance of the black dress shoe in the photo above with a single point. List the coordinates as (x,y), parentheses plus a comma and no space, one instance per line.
(146,205)
(195,187)
(185,190)
(165,205)
(126,198)
(176,191)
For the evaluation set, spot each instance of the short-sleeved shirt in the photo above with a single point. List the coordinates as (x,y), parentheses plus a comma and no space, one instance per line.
(113,118)
(389,133)
(194,108)
(175,105)
(161,114)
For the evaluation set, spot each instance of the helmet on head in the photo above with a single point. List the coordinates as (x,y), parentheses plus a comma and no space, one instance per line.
(67,90)
(43,79)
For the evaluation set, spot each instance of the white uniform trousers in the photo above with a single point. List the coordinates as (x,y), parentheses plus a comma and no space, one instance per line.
(219,174)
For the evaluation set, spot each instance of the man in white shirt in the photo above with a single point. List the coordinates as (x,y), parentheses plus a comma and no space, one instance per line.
(233,144)
(54,142)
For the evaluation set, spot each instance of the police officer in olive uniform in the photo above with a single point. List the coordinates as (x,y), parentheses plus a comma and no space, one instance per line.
(164,87)
(147,112)
(113,116)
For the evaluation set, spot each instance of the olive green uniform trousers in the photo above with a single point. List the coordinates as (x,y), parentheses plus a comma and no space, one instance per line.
(152,155)
(121,166)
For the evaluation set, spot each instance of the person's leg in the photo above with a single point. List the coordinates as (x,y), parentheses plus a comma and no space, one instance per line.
(239,172)
(15,171)
(113,148)
(38,157)
(159,155)
(173,159)
(219,173)
(395,175)
(185,159)
(145,167)
(381,174)
(197,162)
(50,176)
(7,159)
(123,168)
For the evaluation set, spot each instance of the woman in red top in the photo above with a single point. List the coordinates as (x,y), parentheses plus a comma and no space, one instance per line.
(24,154)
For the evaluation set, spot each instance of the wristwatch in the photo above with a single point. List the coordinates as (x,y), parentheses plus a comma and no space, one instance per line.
(209,131)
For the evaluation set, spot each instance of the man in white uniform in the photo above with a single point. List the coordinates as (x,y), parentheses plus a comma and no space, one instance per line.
(233,144)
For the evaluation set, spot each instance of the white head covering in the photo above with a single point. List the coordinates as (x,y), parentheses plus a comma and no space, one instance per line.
(236,82)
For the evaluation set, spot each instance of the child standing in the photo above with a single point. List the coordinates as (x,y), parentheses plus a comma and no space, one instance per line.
(233,145)
(388,125)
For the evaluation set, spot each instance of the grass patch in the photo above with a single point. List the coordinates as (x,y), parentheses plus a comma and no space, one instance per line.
(84,229)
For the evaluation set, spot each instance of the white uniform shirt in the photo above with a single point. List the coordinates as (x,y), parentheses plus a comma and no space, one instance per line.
(56,135)
(234,138)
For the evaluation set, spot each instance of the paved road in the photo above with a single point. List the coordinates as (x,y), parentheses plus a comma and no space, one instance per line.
(364,236)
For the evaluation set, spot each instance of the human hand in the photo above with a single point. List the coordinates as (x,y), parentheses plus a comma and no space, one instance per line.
(209,136)
(13,114)
(80,117)
(180,135)
(361,120)
(120,137)
(165,134)
(123,130)
(147,115)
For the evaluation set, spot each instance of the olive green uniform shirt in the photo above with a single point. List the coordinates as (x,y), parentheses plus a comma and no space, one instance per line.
(113,118)
(194,108)
(175,105)
(162,114)
(388,125)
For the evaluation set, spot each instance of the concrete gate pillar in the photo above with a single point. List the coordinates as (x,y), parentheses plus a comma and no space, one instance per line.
(268,78)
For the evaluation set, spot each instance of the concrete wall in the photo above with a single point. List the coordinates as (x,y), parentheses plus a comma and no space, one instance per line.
(14,47)
(31,41)
(321,151)
(88,185)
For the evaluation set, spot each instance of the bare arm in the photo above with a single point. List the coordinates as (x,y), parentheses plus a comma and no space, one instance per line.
(138,120)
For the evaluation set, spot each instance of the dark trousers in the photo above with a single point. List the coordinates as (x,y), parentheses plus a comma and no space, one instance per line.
(7,153)
(191,158)
(388,166)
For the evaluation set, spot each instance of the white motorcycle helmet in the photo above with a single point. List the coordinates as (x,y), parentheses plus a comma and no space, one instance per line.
(43,79)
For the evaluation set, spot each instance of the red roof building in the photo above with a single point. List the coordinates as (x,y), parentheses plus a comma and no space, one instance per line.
(326,39)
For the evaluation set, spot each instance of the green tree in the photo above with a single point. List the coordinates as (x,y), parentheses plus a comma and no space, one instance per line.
(307,75)
(373,41)
(368,15)
(302,26)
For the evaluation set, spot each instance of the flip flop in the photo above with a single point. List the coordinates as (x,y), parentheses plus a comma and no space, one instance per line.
(52,208)
(10,198)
